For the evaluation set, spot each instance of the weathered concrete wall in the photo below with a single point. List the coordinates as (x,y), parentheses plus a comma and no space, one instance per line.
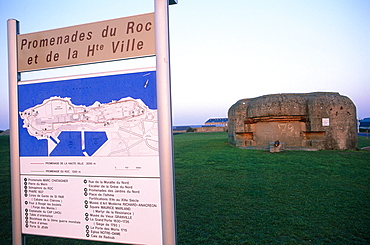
(319,120)
(236,117)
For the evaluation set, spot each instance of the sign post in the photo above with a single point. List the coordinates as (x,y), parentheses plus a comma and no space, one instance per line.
(165,126)
(13,30)
(91,155)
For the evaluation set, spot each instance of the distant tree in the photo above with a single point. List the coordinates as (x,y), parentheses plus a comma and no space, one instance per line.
(190,130)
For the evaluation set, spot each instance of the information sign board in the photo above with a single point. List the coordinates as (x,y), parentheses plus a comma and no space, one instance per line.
(115,39)
(91,155)
(89,159)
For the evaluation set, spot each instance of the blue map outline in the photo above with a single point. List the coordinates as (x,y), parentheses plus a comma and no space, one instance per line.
(82,91)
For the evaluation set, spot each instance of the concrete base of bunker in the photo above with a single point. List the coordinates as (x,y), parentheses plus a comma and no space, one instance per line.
(317,121)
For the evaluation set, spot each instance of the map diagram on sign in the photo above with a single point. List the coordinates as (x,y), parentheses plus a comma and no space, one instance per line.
(126,127)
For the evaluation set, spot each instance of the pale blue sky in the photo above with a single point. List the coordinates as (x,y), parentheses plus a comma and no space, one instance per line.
(223,51)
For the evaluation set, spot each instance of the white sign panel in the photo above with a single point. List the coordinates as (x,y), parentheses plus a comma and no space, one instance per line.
(89,158)
(105,209)
(325,122)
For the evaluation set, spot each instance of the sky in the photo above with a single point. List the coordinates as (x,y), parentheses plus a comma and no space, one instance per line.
(223,51)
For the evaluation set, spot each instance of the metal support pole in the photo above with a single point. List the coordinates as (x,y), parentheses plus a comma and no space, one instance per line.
(13,30)
(165,122)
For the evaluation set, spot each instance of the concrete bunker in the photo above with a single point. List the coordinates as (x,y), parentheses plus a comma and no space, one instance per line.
(320,120)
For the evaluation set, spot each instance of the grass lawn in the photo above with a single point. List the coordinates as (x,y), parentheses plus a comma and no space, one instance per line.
(226,195)
(5,194)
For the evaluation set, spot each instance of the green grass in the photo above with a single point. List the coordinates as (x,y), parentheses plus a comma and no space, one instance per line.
(5,194)
(226,195)
(363,142)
